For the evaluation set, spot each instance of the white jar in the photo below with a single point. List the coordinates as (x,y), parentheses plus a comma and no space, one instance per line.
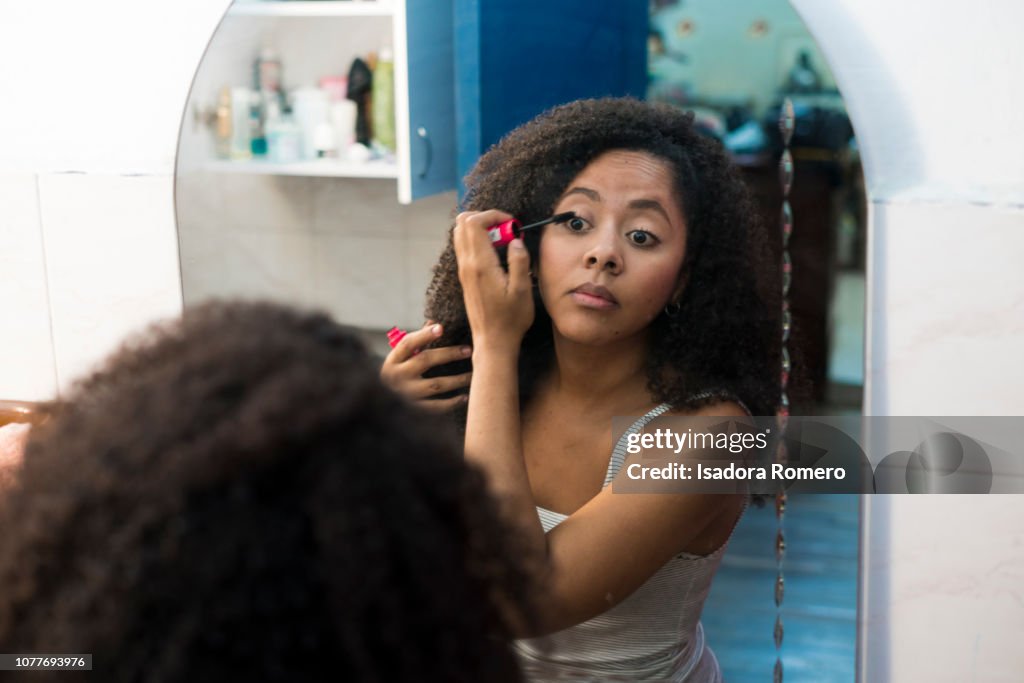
(343,119)
(310,107)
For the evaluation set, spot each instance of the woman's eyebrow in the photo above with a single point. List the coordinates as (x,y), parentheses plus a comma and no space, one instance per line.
(651,204)
(585,191)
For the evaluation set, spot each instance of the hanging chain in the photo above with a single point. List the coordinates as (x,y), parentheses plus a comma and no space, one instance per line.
(787,122)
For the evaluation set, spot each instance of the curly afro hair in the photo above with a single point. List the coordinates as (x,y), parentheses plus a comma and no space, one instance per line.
(235,496)
(724,342)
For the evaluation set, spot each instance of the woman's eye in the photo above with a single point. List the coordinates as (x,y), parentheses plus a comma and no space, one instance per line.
(641,237)
(576,224)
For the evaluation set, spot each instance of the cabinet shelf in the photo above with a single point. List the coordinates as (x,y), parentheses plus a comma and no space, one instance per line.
(332,8)
(324,168)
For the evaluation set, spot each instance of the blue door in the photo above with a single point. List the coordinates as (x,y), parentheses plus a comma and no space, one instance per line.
(479,68)
(516,58)
(431,96)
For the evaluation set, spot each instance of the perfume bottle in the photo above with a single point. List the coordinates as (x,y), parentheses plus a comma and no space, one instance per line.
(222,131)
(241,100)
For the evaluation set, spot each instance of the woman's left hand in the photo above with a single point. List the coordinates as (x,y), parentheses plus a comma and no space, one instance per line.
(499,305)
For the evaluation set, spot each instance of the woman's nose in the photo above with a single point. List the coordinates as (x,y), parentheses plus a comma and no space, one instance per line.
(604,254)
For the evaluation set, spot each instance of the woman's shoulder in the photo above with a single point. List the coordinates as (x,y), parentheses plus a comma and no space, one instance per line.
(708,404)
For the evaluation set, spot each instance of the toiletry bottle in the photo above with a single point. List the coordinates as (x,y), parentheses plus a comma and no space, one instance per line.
(360,82)
(336,87)
(257,125)
(310,107)
(241,99)
(343,118)
(223,129)
(324,141)
(268,71)
(267,81)
(284,140)
(384,100)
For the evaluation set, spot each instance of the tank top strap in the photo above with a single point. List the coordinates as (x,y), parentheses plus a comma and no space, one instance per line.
(619,452)
(722,394)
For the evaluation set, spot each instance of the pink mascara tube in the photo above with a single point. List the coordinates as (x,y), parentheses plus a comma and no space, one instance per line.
(503,233)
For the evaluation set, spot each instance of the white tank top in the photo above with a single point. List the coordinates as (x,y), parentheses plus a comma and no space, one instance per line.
(653,635)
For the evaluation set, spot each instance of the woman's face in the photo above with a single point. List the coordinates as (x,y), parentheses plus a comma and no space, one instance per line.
(607,275)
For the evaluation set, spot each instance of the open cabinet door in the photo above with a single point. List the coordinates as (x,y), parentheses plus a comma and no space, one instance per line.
(516,58)
(424,29)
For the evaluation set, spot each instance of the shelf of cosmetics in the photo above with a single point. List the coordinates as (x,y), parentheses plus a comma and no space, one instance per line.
(317,8)
(345,127)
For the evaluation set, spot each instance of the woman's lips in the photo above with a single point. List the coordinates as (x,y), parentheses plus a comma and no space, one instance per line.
(593,296)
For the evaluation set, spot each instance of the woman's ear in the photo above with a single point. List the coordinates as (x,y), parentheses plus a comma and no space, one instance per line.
(677,293)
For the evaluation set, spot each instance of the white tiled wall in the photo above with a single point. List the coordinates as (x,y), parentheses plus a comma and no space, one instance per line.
(343,245)
(947,310)
(95,95)
(940,596)
(111,261)
(27,370)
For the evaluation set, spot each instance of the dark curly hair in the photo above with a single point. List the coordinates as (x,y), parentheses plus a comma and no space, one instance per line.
(235,496)
(725,340)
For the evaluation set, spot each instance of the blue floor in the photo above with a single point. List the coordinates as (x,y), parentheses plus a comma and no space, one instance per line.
(820,605)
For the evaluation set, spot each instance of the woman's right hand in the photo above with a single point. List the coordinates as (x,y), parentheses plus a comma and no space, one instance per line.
(404,367)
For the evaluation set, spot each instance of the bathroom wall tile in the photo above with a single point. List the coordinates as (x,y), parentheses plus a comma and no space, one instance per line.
(274,266)
(358,207)
(946,323)
(913,599)
(946,310)
(112,261)
(27,371)
(369,208)
(360,280)
(198,201)
(431,217)
(204,262)
(421,256)
(199,215)
(262,203)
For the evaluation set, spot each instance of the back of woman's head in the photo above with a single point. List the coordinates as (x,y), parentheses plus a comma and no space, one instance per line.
(725,340)
(235,496)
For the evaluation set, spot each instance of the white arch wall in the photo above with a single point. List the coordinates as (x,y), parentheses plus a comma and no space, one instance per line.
(930,88)
(94,93)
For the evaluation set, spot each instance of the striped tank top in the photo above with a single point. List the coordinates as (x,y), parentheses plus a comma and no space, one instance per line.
(655,634)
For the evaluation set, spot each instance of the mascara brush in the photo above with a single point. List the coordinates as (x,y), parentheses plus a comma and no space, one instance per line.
(503,233)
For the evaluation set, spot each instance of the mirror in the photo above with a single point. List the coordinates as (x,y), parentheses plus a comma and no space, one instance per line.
(319,222)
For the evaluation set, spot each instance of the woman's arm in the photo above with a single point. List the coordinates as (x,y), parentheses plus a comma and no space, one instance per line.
(499,307)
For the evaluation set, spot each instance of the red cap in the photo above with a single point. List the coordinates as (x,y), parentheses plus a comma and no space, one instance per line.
(503,233)
(395,335)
